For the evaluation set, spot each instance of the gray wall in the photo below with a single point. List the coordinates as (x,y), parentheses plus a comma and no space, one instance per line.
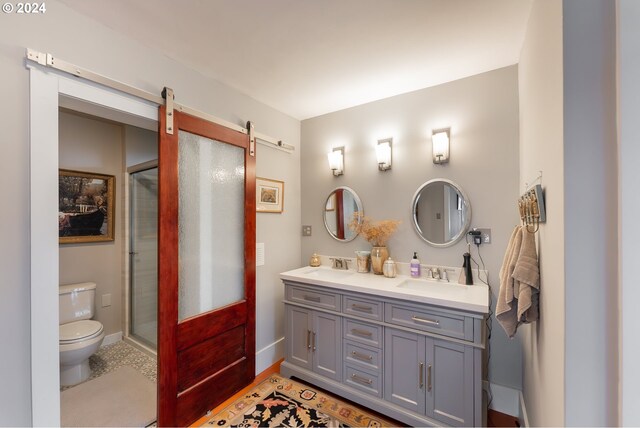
(590,171)
(482,112)
(95,146)
(79,40)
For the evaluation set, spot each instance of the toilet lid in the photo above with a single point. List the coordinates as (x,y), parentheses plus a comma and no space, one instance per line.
(79,330)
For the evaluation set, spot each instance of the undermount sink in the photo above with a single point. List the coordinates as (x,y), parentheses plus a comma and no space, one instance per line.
(327,274)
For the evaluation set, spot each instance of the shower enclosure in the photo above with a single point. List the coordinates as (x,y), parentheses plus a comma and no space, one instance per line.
(143,256)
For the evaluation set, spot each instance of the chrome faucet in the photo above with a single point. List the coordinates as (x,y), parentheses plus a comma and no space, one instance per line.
(339,263)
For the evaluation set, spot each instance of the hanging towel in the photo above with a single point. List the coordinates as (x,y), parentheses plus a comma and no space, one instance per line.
(506,308)
(527,275)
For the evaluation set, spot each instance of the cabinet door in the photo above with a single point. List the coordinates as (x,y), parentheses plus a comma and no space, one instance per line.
(405,369)
(327,345)
(450,399)
(298,336)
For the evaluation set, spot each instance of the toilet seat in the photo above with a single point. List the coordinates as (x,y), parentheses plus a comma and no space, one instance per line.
(79,331)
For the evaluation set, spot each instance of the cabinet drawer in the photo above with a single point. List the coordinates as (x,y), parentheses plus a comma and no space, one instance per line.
(363,332)
(362,356)
(446,324)
(363,380)
(362,307)
(317,298)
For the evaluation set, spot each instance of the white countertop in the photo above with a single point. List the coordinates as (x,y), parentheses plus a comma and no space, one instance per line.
(474,298)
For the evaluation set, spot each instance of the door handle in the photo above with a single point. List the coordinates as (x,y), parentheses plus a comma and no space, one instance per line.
(314,341)
(308,339)
(429,378)
(421,376)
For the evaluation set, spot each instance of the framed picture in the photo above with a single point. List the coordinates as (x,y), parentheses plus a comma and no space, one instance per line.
(86,207)
(269,195)
(331,202)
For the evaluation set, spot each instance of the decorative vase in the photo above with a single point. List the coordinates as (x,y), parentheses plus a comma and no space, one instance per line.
(378,257)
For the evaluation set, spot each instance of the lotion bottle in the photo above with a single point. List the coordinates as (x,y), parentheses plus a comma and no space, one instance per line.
(415,266)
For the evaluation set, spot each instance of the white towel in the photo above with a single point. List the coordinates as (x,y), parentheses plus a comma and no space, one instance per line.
(506,308)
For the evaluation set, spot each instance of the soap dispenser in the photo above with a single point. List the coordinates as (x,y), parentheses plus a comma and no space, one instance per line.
(415,266)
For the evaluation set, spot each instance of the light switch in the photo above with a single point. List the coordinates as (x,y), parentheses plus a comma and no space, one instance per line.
(106,300)
(260,254)
(306,230)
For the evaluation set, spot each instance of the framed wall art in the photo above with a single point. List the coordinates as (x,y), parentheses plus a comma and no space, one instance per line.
(86,207)
(269,195)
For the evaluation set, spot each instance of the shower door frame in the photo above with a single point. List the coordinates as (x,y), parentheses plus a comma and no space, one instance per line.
(128,280)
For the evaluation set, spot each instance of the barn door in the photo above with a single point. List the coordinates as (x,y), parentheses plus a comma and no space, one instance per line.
(206,256)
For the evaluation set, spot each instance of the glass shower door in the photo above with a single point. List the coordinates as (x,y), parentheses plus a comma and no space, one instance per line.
(143,255)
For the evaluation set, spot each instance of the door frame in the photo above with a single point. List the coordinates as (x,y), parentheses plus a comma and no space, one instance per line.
(48,91)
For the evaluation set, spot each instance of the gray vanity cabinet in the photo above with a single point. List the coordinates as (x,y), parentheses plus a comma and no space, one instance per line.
(418,363)
(429,376)
(314,341)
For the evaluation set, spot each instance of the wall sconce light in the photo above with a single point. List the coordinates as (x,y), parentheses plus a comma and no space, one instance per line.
(383,154)
(336,161)
(440,140)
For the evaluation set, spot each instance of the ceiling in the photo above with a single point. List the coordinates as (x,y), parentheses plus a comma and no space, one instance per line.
(311,57)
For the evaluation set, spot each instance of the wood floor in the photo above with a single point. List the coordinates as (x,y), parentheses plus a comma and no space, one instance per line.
(494,419)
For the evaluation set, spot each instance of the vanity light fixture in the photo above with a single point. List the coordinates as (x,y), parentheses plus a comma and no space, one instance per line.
(336,161)
(440,140)
(383,154)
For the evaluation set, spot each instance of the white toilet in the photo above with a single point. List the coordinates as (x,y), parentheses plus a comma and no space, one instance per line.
(80,336)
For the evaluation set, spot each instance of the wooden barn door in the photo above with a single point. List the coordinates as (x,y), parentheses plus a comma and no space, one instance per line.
(206,296)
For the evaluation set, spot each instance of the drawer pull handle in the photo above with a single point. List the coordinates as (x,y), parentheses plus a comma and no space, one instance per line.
(362,357)
(361,308)
(361,332)
(421,374)
(312,298)
(429,378)
(308,339)
(361,379)
(425,320)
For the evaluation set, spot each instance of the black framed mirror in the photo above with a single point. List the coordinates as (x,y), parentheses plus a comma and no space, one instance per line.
(338,211)
(441,212)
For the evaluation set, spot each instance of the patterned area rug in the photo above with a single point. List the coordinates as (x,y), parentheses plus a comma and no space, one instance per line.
(281,402)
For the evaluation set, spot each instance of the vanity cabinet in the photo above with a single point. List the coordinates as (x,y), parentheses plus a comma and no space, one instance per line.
(314,341)
(417,363)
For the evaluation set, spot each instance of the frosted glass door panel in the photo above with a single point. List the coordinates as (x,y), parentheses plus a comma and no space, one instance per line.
(144,252)
(210,224)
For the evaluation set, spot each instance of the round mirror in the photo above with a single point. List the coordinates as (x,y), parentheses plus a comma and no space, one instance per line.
(441,212)
(338,212)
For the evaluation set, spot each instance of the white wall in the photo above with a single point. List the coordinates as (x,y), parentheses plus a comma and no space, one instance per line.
(541,149)
(482,112)
(77,39)
(568,130)
(629,207)
(92,145)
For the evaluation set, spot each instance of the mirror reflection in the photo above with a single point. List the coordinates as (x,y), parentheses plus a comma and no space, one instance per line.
(338,212)
(441,212)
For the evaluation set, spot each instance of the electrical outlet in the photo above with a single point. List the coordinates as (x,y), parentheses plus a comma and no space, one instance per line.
(486,235)
(306,230)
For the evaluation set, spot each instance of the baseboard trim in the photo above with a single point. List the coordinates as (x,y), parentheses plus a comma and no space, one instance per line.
(269,355)
(110,339)
(505,400)
(522,416)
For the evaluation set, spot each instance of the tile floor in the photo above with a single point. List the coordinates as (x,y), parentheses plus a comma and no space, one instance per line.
(119,354)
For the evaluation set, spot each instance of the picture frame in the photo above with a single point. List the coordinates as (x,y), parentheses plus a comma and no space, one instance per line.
(86,207)
(269,195)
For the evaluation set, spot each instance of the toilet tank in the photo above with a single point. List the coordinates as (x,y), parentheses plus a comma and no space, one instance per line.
(77,302)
